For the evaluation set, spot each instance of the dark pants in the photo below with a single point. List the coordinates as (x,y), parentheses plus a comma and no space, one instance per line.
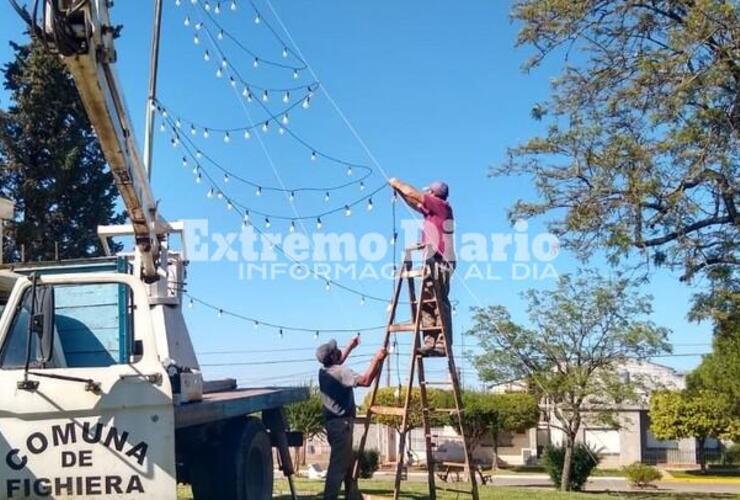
(339,435)
(441,272)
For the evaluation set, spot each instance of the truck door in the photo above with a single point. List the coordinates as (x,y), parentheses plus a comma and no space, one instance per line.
(85,404)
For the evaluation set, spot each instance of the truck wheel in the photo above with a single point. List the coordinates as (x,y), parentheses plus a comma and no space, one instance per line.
(247,473)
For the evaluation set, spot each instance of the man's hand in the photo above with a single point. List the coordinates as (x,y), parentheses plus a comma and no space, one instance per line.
(354,342)
(381,354)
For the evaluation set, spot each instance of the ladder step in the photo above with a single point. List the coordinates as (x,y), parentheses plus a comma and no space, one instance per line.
(387,410)
(456,437)
(411,327)
(446,410)
(413,273)
(429,382)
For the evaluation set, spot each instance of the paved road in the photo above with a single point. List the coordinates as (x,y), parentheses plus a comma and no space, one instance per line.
(594,484)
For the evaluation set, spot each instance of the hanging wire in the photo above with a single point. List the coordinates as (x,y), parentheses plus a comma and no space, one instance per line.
(260,323)
(263,60)
(220,192)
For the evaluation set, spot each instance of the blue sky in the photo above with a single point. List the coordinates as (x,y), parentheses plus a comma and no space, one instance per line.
(432,90)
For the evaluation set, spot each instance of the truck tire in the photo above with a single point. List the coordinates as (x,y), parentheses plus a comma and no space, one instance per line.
(247,472)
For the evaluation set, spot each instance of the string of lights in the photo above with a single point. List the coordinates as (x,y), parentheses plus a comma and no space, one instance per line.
(215,191)
(282,329)
(230,173)
(236,77)
(258,19)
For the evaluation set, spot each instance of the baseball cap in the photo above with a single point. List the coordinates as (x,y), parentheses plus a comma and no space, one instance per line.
(439,189)
(324,351)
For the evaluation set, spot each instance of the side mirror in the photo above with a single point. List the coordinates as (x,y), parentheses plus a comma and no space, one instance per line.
(42,324)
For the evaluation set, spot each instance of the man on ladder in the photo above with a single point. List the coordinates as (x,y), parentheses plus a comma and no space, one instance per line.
(437,233)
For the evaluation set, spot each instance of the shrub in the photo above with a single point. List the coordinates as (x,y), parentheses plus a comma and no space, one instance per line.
(584,461)
(369,463)
(641,475)
(731,455)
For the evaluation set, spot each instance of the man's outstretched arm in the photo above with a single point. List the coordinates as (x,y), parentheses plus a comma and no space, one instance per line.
(412,196)
(366,379)
(349,348)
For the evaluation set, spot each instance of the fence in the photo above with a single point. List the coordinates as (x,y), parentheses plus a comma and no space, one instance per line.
(661,456)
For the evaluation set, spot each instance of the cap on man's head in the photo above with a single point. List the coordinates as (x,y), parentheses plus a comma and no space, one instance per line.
(439,189)
(325,351)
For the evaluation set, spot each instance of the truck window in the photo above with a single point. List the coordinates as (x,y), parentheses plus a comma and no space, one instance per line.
(93,327)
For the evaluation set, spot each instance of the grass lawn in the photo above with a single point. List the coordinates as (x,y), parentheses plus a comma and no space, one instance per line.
(538,469)
(312,490)
(714,473)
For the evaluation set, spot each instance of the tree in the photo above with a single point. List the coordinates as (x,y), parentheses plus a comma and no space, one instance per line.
(306,417)
(642,151)
(580,333)
(51,165)
(692,414)
(490,415)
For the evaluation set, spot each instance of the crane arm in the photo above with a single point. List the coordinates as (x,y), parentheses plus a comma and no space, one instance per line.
(82,33)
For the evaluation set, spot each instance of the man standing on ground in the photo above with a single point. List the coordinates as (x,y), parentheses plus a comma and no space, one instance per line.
(437,233)
(336,384)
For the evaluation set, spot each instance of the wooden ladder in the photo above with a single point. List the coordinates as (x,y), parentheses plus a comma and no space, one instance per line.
(409,274)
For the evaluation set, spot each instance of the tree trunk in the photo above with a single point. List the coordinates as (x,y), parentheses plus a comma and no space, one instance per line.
(702,456)
(567,464)
(296,456)
(495,450)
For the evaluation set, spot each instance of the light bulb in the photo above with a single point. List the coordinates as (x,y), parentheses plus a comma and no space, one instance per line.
(284,119)
(224,62)
(177,3)
(281,333)
(369,204)
(259,191)
(174,142)
(316,335)
(193,2)
(233,5)
(267,223)
(257,18)
(281,130)
(394,239)
(286,96)
(327,286)
(318,223)
(219,73)
(198,26)
(306,103)
(256,323)
(265,126)
(191,303)
(295,74)
(256,62)
(232,82)
(362,300)
(227,137)
(178,123)
(362,186)
(349,170)
(291,196)
(265,96)
(207,6)
(198,154)
(162,128)
(220,312)
(197,178)
(217,8)
(164,113)
(205,133)
(184,162)
(220,35)
(347,210)
(229,205)
(195,170)
(192,130)
(210,193)
(313,155)
(247,135)
(285,52)
(292,227)
(326,196)
(220,195)
(187,21)
(196,39)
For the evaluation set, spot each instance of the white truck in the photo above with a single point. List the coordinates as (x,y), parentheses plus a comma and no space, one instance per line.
(101,393)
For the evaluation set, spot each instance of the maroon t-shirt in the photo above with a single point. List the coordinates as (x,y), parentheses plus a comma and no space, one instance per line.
(439,226)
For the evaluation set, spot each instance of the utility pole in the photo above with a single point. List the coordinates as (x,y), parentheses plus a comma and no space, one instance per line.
(151,101)
(7,212)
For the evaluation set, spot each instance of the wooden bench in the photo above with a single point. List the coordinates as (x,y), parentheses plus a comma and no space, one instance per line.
(456,468)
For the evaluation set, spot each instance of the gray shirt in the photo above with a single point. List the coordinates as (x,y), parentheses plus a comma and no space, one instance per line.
(337,384)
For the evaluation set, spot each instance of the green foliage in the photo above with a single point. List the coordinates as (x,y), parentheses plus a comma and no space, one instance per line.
(692,414)
(641,475)
(51,165)
(731,455)
(307,416)
(369,463)
(393,397)
(584,461)
(488,414)
(582,332)
(642,148)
